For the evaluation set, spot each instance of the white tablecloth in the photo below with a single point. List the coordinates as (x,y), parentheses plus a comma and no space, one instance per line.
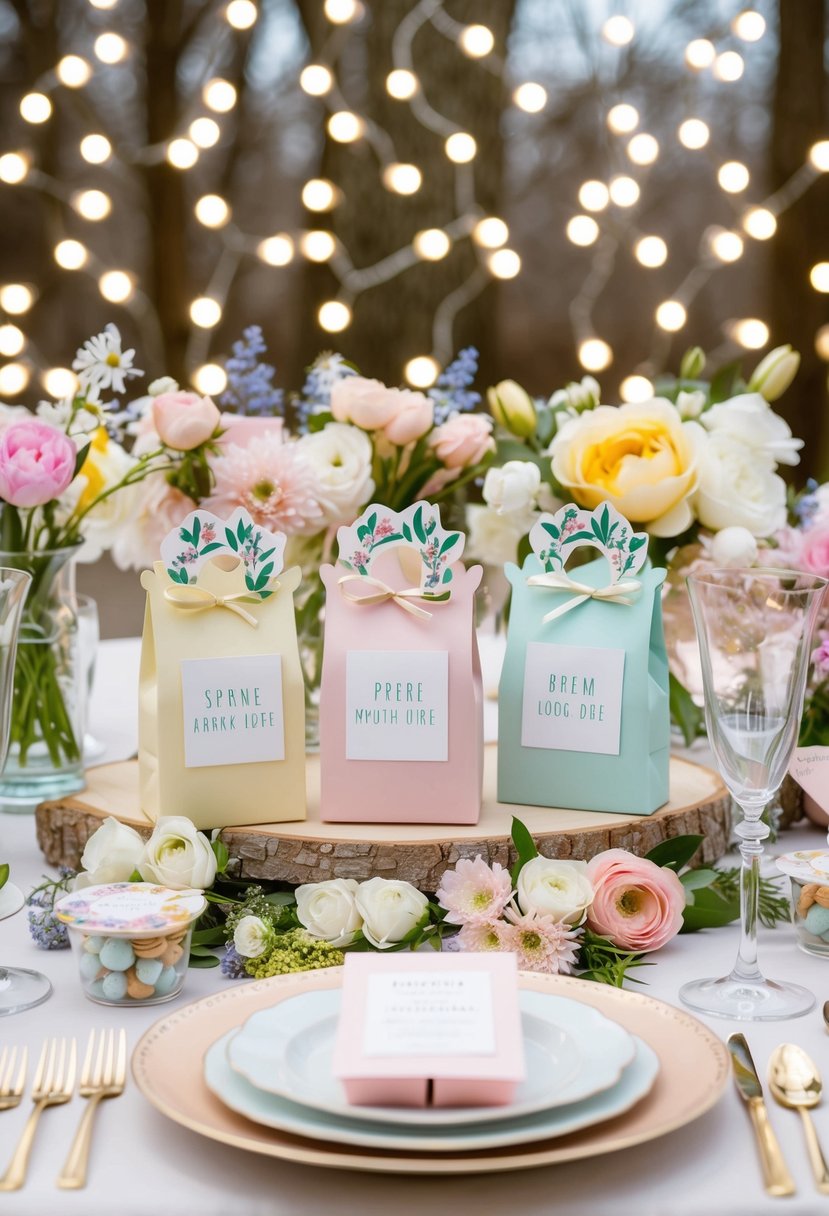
(143,1163)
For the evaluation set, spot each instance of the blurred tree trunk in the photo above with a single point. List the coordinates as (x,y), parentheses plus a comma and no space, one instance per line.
(797,310)
(393,321)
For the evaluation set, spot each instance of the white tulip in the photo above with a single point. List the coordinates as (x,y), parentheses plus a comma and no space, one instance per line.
(340,456)
(112,854)
(749,419)
(390,910)
(733,546)
(738,487)
(252,937)
(512,486)
(178,856)
(773,374)
(560,889)
(328,910)
(512,407)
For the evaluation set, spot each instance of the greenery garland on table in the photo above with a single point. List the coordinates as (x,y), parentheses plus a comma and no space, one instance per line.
(597,919)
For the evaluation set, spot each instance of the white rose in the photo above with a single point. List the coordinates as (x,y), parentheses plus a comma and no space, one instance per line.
(494,537)
(513,486)
(750,419)
(178,856)
(112,853)
(738,487)
(252,936)
(328,910)
(340,456)
(733,547)
(390,909)
(560,889)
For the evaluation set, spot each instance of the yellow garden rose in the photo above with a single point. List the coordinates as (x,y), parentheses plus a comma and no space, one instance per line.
(641,457)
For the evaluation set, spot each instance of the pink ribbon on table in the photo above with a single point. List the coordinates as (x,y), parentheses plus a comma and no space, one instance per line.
(383,592)
(613,593)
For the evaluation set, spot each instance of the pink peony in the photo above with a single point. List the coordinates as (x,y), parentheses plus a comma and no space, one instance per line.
(814,555)
(184,420)
(273,481)
(474,893)
(157,509)
(463,440)
(37,463)
(541,943)
(399,413)
(636,903)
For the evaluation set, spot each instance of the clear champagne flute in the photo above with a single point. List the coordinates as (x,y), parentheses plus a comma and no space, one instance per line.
(755,631)
(19,988)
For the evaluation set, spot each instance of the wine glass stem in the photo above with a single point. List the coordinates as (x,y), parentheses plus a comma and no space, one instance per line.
(752,832)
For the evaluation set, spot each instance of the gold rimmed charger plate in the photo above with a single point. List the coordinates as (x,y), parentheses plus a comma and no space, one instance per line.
(167,1065)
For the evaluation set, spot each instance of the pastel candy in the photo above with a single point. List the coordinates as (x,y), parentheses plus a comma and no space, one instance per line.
(817,920)
(135,989)
(114,986)
(148,970)
(172,954)
(89,966)
(117,954)
(93,944)
(166,981)
(96,989)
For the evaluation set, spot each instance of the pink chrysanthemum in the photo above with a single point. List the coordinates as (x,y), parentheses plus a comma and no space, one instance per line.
(272,480)
(486,935)
(474,893)
(541,943)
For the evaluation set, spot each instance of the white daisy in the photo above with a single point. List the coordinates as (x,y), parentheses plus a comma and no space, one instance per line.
(101,364)
(60,414)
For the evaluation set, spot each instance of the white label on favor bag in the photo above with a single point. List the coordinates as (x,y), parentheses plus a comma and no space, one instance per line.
(232,710)
(429,1013)
(397,705)
(573,698)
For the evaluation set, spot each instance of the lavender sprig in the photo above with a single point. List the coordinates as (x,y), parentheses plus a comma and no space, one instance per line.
(249,380)
(326,370)
(451,393)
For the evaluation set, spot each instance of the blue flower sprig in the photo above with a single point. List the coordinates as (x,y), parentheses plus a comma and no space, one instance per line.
(250,388)
(451,393)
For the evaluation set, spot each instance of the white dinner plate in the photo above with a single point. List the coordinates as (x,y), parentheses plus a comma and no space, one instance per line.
(272,1111)
(571,1051)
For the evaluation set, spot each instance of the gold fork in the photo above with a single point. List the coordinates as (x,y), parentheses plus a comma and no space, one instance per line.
(105,1078)
(53,1084)
(11,1086)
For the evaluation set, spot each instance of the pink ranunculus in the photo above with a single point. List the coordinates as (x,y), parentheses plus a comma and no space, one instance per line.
(814,556)
(414,418)
(184,420)
(399,413)
(463,440)
(37,463)
(636,903)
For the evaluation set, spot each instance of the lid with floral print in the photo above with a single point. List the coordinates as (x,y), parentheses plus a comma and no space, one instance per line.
(806,865)
(130,909)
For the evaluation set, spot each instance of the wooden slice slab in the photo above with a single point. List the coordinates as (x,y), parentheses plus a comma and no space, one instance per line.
(310,851)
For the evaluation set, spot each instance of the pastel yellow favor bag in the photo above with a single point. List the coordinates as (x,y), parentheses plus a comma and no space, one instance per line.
(221,726)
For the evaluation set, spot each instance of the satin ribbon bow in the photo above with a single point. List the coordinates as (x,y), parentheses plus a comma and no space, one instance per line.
(196,599)
(384,592)
(613,593)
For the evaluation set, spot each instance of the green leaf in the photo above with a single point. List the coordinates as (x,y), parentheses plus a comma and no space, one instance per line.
(202,960)
(708,911)
(212,936)
(263,557)
(407,533)
(447,576)
(417,524)
(684,710)
(552,530)
(693,880)
(209,548)
(4,874)
(266,571)
(636,542)
(371,522)
(196,532)
(222,855)
(604,520)
(448,543)
(675,853)
(240,530)
(80,457)
(184,535)
(231,540)
(524,847)
(11,529)
(363,532)
(431,525)
(725,383)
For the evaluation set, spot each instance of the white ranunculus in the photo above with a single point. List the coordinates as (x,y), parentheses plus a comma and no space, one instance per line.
(390,909)
(560,889)
(738,487)
(111,854)
(178,856)
(734,547)
(493,538)
(328,910)
(252,936)
(512,486)
(340,456)
(750,419)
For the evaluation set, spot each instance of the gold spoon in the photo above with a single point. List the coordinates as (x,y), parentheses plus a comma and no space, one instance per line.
(795,1083)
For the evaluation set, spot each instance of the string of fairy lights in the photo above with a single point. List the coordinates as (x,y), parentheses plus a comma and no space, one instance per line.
(603,220)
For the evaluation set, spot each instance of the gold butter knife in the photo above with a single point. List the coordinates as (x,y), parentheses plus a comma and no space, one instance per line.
(776,1177)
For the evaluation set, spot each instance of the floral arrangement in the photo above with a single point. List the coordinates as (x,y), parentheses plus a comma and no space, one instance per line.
(598,919)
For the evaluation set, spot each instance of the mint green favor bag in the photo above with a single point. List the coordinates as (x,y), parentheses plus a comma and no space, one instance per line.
(583,708)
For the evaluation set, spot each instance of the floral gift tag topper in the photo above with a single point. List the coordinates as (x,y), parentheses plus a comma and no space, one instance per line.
(202,535)
(554,537)
(417,528)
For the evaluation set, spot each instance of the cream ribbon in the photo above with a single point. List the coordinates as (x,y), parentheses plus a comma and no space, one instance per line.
(196,599)
(613,593)
(384,592)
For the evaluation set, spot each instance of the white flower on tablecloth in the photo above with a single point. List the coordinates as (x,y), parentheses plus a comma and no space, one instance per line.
(738,487)
(560,889)
(390,909)
(750,419)
(178,856)
(340,458)
(328,910)
(101,364)
(512,486)
(252,937)
(111,854)
(493,537)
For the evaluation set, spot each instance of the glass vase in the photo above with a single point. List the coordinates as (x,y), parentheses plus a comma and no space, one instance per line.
(45,758)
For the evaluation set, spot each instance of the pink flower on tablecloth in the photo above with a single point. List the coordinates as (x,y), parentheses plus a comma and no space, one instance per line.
(488,935)
(273,481)
(636,903)
(541,943)
(474,893)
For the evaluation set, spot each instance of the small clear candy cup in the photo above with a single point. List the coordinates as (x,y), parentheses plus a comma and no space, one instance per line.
(808,872)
